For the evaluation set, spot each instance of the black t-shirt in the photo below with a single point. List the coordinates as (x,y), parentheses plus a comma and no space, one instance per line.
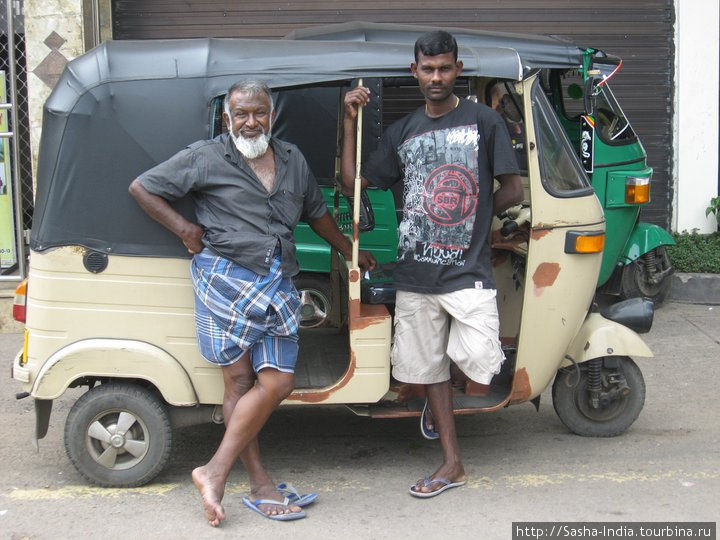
(447,165)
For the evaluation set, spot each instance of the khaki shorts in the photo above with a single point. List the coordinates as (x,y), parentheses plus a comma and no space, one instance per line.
(432,329)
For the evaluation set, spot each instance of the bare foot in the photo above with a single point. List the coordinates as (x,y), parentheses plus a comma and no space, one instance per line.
(211,491)
(269,491)
(449,471)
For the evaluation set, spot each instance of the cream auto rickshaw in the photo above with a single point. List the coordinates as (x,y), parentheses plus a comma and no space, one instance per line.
(108,302)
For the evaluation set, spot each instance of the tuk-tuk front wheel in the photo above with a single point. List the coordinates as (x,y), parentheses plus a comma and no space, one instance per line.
(118,435)
(648,276)
(608,411)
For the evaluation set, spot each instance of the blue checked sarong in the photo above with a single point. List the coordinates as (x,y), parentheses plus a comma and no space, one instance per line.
(237,310)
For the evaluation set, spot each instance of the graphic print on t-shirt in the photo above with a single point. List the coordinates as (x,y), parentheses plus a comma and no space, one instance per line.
(440,194)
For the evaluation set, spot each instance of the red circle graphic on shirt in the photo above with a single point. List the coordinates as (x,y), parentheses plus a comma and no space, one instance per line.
(450,195)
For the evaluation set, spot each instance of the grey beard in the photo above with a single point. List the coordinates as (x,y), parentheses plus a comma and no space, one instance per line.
(251,148)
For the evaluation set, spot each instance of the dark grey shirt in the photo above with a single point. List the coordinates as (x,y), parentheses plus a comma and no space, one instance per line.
(242,221)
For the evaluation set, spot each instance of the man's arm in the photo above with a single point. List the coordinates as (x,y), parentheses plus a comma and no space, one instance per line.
(161,211)
(353,100)
(509,194)
(327,229)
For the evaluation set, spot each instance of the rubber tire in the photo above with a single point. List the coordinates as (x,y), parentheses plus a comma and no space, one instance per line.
(319,284)
(633,284)
(565,401)
(141,403)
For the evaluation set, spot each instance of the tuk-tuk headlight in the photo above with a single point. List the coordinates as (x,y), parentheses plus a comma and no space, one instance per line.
(584,242)
(637,190)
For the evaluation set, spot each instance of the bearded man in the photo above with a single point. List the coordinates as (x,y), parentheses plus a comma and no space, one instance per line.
(250,190)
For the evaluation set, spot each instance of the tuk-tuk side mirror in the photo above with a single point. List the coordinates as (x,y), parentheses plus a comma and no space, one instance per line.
(575,91)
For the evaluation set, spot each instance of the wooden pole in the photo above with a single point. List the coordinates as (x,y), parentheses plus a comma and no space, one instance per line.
(358,185)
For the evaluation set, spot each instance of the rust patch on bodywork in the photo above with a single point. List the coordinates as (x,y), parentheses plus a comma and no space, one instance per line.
(521,390)
(317,397)
(364,315)
(537,234)
(544,276)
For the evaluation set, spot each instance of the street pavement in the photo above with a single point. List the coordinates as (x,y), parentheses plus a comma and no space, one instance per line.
(522,465)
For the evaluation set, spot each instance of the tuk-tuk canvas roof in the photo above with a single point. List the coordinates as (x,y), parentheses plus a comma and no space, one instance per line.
(127,105)
(534,51)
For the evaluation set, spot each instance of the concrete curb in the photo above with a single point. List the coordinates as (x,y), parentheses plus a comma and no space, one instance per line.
(689,288)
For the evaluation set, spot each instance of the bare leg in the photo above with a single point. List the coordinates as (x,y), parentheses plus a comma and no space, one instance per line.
(249,415)
(239,378)
(440,397)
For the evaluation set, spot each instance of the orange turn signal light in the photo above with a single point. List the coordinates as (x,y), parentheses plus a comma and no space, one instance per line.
(637,190)
(584,242)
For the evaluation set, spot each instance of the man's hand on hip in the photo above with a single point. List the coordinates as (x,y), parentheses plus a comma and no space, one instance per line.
(192,238)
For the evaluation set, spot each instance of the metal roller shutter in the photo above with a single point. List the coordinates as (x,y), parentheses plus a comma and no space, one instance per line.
(641,32)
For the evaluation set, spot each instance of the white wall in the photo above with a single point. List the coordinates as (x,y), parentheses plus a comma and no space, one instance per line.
(696,113)
(53,35)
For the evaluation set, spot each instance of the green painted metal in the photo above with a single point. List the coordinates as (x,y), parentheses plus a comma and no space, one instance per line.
(313,252)
(609,183)
(613,163)
(645,237)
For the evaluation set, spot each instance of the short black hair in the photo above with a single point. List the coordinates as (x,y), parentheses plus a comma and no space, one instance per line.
(434,43)
(251,87)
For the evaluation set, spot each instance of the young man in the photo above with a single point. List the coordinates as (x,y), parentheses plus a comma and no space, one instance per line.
(447,154)
(250,191)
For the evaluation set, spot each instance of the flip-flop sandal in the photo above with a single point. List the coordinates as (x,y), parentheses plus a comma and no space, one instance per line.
(429,434)
(446,484)
(289,491)
(255,507)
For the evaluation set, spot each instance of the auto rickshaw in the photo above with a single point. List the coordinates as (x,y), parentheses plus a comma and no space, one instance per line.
(575,79)
(108,304)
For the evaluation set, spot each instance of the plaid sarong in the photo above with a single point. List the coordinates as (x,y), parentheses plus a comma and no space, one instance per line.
(237,310)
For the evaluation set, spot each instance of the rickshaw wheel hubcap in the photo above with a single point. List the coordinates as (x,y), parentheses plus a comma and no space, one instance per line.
(601,413)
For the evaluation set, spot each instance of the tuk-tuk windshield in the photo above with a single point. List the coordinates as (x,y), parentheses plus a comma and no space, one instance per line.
(611,124)
(561,172)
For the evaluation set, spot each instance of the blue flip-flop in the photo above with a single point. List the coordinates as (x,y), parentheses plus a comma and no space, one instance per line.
(289,491)
(446,484)
(255,507)
(429,434)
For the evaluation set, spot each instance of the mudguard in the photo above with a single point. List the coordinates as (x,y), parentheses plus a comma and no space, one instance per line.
(117,359)
(600,337)
(643,238)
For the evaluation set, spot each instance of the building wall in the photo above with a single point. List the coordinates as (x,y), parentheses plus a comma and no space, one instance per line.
(696,113)
(53,35)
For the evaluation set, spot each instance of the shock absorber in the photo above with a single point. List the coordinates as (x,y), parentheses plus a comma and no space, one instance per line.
(649,261)
(594,381)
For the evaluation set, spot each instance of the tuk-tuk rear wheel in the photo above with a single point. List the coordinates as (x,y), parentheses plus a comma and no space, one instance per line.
(639,278)
(118,435)
(572,401)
